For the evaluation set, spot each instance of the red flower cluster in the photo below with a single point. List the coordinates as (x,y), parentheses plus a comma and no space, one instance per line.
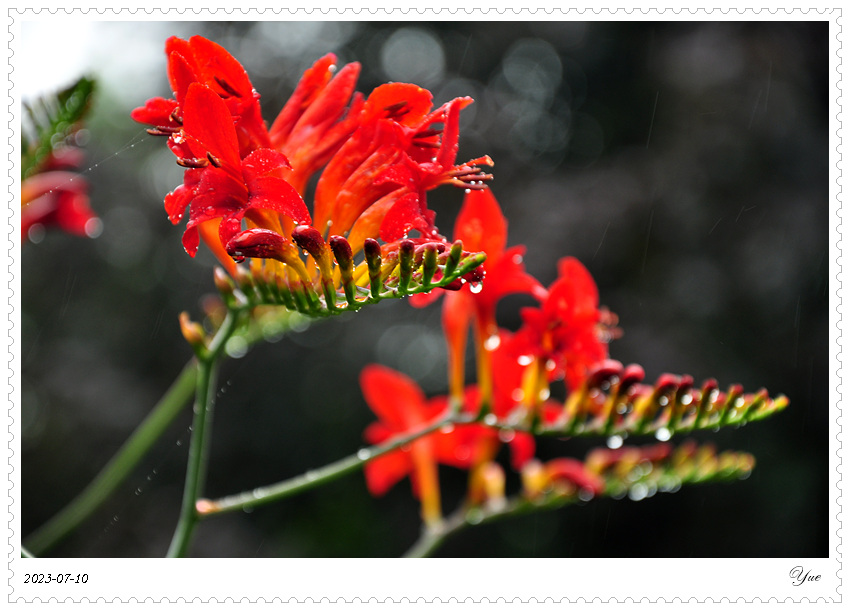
(244,183)
(563,338)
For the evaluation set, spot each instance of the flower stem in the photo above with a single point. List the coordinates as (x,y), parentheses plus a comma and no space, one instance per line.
(433,537)
(317,477)
(201,429)
(117,469)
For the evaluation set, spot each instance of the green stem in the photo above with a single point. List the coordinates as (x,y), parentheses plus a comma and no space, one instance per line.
(25,553)
(201,429)
(317,477)
(117,469)
(433,537)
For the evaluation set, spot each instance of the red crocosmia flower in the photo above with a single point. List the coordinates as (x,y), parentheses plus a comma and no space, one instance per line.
(58,196)
(564,333)
(402,408)
(199,60)
(482,227)
(317,119)
(515,386)
(229,188)
(375,185)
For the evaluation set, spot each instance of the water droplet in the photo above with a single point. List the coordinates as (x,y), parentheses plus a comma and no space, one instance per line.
(247,509)
(517,395)
(310,476)
(544,394)
(516,259)
(490,419)
(525,359)
(506,435)
(475,287)
(739,402)
(474,516)
(447,428)
(638,492)
(36,233)
(662,401)
(236,347)
(93,227)
(492,342)
(687,399)
(179,442)
(663,434)
(614,442)
(585,494)
(138,491)
(364,454)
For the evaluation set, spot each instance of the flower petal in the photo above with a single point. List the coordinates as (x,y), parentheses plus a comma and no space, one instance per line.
(272,193)
(208,125)
(386,471)
(395,398)
(481,224)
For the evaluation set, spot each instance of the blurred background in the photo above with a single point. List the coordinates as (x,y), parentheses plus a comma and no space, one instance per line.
(685,164)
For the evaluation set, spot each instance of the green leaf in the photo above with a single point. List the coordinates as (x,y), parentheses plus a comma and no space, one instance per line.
(52,120)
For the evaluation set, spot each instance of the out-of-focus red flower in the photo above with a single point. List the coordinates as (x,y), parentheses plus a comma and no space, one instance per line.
(482,227)
(58,196)
(402,409)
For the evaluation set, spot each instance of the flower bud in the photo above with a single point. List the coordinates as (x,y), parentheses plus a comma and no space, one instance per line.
(534,479)
(193,333)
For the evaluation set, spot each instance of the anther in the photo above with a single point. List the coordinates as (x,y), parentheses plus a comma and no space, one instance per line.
(226,86)
(187,162)
(214,160)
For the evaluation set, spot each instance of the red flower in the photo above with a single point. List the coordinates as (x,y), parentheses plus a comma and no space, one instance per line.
(564,334)
(317,119)
(402,408)
(376,183)
(58,196)
(482,227)
(380,155)
(199,60)
(229,188)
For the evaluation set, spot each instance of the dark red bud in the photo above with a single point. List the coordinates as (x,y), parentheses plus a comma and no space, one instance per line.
(342,250)
(603,372)
(309,239)
(666,382)
(259,243)
(476,275)
(709,386)
(632,374)
(371,248)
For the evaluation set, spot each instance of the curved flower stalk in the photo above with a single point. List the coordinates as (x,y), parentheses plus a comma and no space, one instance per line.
(564,338)
(244,184)
(53,193)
